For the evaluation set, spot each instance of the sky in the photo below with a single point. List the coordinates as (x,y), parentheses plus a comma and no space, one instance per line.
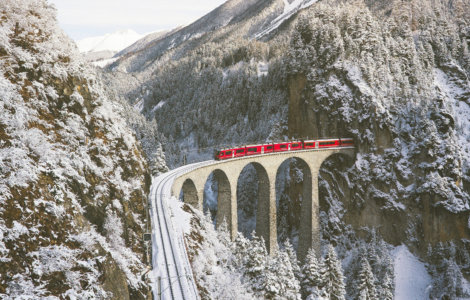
(89,18)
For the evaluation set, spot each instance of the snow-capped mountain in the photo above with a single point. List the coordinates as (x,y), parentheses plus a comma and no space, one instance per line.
(113,42)
(105,49)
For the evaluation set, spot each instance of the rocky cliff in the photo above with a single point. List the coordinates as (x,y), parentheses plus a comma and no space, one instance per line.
(397,80)
(73,179)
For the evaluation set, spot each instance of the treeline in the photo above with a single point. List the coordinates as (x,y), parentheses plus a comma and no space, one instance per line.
(368,272)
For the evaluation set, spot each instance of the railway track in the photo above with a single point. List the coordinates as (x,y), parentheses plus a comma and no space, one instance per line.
(172,271)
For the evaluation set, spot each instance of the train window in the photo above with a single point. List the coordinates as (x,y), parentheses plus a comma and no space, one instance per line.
(295,145)
(327,143)
(251,149)
(283,146)
(228,152)
(240,151)
(269,148)
(308,144)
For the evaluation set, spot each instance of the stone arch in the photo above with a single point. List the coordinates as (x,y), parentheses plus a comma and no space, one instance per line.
(261,207)
(190,193)
(224,197)
(294,205)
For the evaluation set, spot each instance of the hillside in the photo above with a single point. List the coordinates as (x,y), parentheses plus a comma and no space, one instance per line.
(393,75)
(73,177)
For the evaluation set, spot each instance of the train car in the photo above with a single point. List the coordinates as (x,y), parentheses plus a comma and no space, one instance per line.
(328,143)
(253,149)
(267,148)
(298,145)
(223,154)
(239,152)
(281,147)
(311,144)
(347,142)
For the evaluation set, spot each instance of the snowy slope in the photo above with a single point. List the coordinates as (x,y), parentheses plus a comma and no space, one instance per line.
(289,10)
(411,278)
(116,41)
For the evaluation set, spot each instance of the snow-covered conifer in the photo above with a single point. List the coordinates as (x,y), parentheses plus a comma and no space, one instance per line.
(387,289)
(334,279)
(224,234)
(240,248)
(255,263)
(279,278)
(289,249)
(366,286)
(311,276)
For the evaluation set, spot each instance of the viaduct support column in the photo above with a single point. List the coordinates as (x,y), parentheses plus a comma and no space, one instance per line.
(309,235)
(200,196)
(266,215)
(226,203)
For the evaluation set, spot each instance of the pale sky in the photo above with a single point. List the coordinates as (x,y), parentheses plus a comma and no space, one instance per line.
(87,18)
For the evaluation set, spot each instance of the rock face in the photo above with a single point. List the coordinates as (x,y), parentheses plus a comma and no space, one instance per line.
(397,80)
(73,180)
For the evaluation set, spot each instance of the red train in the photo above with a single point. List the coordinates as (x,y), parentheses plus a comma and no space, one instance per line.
(280,147)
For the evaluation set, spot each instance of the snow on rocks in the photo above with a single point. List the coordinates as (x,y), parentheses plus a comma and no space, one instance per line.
(69,164)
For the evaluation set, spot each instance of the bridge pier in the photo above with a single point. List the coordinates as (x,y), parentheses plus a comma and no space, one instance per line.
(309,231)
(266,215)
(226,202)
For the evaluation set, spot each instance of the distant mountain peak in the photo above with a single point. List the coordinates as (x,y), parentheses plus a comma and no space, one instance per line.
(114,42)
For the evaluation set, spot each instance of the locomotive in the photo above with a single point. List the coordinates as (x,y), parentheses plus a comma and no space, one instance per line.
(281,147)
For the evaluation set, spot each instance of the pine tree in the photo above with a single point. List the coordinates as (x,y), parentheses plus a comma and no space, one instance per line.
(240,248)
(334,279)
(255,263)
(387,288)
(372,257)
(311,276)
(293,259)
(388,281)
(280,281)
(453,280)
(367,290)
(224,234)
(383,269)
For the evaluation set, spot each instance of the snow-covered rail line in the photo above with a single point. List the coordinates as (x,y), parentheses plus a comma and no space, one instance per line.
(171,269)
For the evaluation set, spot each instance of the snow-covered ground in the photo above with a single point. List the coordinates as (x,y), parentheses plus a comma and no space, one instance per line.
(104,62)
(289,10)
(412,281)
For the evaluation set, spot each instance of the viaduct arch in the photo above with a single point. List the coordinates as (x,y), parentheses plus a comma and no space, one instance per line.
(227,174)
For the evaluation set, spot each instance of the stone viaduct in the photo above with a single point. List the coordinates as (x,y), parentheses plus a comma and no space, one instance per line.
(227,173)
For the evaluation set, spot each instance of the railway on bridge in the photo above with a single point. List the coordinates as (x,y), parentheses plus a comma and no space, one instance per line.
(170,262)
